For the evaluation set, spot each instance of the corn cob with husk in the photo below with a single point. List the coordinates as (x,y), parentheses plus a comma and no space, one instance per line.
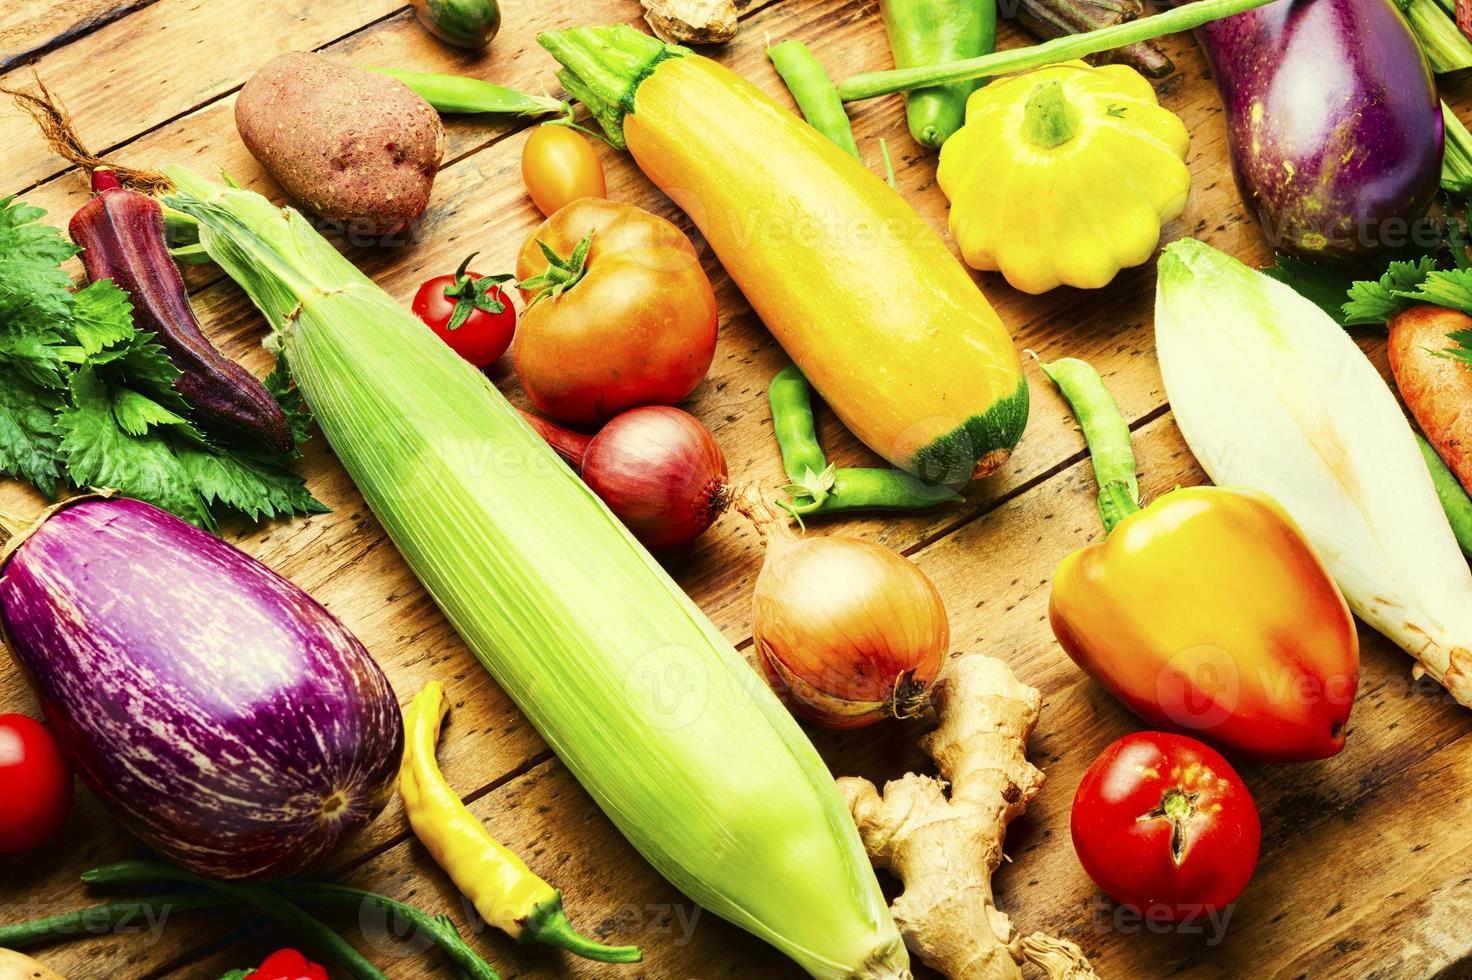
(654,712)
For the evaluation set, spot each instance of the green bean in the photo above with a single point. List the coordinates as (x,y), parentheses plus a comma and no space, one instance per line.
(818,488)
(1453,497)
(308,927)
(814,92)
(104,918)
(791,399)
(874,488)
(1106,433)
(461,93)
(868,85)
(438,927)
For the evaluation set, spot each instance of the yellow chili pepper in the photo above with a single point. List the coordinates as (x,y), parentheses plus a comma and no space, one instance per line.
(1206,612)
(505,891)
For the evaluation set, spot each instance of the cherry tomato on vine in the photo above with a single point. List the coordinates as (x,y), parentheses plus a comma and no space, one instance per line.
(1165,826)
(35,784)
(558,166)
(470,312)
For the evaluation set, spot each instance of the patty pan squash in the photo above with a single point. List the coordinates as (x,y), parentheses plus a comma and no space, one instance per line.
(1064,176)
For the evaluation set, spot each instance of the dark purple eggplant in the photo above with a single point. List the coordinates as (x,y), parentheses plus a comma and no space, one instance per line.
(1333,123)
(121,233)
(226,718)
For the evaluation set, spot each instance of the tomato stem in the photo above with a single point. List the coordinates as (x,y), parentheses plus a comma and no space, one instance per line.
(561,273)
(1176,805)
(471,294)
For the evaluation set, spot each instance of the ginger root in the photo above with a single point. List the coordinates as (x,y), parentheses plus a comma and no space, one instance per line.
(945,850)
(692,21)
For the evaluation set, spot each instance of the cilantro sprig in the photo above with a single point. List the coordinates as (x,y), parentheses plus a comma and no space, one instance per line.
(88,400)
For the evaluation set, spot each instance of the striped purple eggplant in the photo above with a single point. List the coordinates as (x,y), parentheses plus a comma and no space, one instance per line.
(1333,123)
(226,717)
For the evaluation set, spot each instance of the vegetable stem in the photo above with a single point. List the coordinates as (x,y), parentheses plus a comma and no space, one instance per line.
(96,919)
(437,927)
(814,92)
(551,927)
(1456,163)
(308,927)
(1049,119)
(868,85)
(1447,49)
(1106,433)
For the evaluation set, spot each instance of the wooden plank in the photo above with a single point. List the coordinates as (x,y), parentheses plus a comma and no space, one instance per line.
(343,559)
(1396,732)
(161,62)
(28,27)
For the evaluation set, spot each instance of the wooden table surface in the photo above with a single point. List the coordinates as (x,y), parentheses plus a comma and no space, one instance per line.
(1361,871)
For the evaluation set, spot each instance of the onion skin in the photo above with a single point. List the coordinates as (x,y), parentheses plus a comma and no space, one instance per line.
(218,710)
(849,632)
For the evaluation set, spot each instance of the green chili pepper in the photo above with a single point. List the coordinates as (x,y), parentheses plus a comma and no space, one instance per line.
(814,92)
(820,488)
(932,32)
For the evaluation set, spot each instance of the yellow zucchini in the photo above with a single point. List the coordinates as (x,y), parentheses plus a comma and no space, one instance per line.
(858,289)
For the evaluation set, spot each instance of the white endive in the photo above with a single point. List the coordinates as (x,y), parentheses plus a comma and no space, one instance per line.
(1271,393)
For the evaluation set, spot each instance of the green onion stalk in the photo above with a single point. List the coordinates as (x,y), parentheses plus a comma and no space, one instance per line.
(869,85)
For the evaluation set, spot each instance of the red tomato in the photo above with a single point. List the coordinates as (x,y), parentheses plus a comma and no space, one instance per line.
(626,317)
(288,964)
(470,312)
(1165,826)
(34,783)
(558,166)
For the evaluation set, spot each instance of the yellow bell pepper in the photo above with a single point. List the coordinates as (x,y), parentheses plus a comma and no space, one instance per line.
(1206,612)
(1064,176)
(505,892)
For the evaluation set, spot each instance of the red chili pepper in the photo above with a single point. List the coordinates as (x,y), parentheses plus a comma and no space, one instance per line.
(288,964)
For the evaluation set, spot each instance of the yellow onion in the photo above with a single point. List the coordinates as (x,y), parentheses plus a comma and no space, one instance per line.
(847,631)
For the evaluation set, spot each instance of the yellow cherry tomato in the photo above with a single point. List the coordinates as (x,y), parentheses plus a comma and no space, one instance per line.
(559,166)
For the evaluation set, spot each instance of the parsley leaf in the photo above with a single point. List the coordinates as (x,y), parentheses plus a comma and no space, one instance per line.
(1451,288)
(1462,347)
(1323,284)
(255,486)
(88,399)
(1377,300)
(30,446)
(100,453)
(289,397)
(101,316)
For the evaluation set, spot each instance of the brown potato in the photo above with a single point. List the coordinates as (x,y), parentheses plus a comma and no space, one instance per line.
(346,144)
(1437,390)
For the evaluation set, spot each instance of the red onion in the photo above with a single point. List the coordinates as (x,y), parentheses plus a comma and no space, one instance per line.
(659,469)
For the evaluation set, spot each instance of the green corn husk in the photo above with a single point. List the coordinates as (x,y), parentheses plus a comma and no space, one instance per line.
(654,712)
